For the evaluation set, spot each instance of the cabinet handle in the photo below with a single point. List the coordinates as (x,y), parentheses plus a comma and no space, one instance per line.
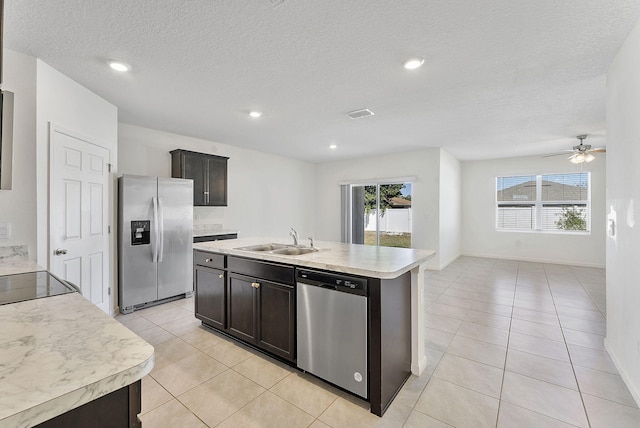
(255,284)
(221,276)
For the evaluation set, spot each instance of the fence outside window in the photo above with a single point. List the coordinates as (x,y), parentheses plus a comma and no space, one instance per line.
(550,202)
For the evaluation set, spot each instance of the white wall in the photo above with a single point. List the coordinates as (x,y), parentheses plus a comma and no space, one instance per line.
(623,199)
(450,209)
(423,164)
(479,235)
(18,205)
(267,194)
(68,104)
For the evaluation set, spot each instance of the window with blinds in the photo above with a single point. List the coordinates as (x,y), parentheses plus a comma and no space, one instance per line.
(551,202)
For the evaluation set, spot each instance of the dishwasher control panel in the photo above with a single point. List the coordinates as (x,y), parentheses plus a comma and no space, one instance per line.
(337,282)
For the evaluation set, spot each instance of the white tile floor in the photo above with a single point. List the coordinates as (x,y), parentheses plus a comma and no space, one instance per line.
(509,344)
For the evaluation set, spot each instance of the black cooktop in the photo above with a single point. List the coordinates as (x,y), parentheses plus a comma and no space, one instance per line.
(32,285)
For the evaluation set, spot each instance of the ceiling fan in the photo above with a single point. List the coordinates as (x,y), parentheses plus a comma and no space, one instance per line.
(581,152)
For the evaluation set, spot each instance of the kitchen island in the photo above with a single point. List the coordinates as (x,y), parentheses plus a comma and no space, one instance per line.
(395,301)
(62,360)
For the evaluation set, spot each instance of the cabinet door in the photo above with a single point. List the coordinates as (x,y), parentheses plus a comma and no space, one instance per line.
(276,318)
(193,167)
(241,319)
(210,296)
(217,181)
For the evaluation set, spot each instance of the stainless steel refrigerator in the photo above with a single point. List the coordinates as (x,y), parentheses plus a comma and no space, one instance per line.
(155,240)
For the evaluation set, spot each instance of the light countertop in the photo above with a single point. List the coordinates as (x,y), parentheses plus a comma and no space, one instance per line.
(12,266)
(57,353)
(365,260)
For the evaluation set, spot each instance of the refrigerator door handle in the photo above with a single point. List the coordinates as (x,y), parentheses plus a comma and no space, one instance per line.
(161,227)
(155,229)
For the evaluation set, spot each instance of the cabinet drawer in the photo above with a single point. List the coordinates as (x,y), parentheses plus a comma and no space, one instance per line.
(203,258)
(256,269)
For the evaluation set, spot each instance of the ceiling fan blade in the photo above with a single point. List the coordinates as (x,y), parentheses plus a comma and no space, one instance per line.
(599,150)
(562,152)
(566,152)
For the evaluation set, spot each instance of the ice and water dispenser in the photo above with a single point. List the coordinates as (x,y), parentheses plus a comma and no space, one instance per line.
(140,232)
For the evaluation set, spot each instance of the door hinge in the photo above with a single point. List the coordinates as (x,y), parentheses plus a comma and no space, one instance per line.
(109,229)
(109,291)
(109,167)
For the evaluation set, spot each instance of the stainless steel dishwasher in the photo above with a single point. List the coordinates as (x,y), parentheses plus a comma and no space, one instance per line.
(332,329)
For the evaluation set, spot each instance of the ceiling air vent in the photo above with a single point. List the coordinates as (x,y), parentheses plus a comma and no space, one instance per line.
(357,114)
(276,3)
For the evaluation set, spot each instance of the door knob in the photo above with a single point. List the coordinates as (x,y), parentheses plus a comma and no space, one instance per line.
(59,251)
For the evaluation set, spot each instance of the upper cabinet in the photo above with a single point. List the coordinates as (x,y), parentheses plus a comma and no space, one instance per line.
(209,175)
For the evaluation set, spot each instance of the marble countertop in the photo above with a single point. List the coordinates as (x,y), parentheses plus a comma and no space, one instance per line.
(12,267)
(212,232)
(365,260)
(60,352)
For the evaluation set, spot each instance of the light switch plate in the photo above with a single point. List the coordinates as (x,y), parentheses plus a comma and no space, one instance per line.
(5,231)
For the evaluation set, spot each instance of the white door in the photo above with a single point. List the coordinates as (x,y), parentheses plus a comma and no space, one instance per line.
(79,215)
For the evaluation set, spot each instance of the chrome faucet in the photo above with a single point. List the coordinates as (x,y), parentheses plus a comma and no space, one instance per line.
(294,235)
(311,242)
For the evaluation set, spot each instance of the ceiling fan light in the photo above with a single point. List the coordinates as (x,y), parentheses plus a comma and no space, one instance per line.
(577,158)
(588,157)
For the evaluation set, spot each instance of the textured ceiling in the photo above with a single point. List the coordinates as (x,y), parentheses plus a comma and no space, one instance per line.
(501,78)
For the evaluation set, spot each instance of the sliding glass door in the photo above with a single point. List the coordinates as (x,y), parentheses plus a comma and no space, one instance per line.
(381,214)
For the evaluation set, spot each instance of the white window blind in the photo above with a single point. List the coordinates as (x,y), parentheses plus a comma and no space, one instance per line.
(551,202)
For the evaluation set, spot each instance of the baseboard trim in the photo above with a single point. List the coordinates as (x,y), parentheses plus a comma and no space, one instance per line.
(535,260)
(448,262)
(633,389)
(419,367)
(440,266)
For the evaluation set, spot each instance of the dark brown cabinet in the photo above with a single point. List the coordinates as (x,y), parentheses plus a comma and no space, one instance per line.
(241,302)
(262,312)
(210,286)
(208,172)
(117,409)
(210,296)
(210,238)
(251,300)
(276,318)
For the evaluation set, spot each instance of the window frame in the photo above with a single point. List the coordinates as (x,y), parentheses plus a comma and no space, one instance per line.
(347,198)
(538,205)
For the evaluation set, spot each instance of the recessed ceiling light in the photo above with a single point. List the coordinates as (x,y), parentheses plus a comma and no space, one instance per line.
(333,146)
(413,63)
(119,66)
(255,114)
(357,114)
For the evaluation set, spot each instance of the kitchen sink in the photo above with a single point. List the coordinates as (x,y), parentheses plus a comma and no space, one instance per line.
(281,249)
(264,247)
(293,251)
